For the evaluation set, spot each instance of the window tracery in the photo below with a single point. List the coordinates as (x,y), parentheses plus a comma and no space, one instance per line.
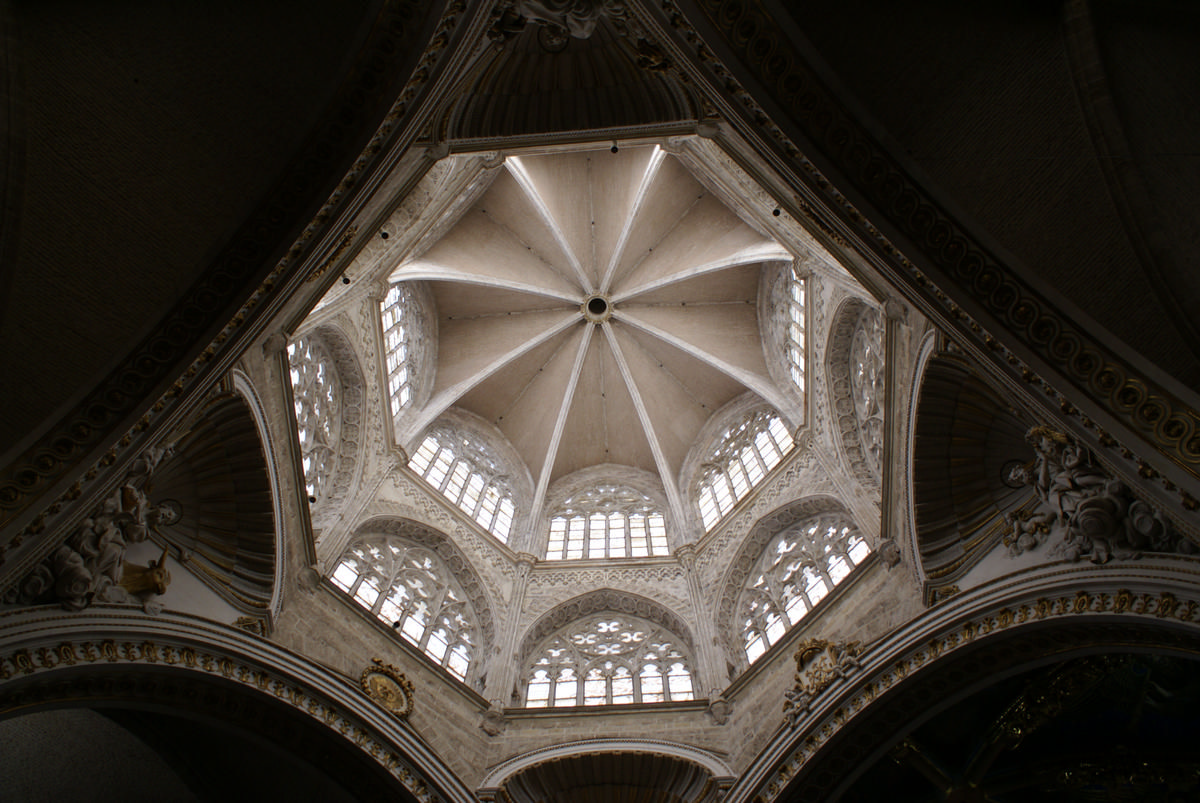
(463,469)
(744,454)
(797,569)
(607,521)
(795,328)
(396,311)
(866,384)
(316,396)
(608,659)
(411,589)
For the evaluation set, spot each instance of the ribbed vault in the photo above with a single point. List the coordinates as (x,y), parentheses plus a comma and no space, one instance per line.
(597,307)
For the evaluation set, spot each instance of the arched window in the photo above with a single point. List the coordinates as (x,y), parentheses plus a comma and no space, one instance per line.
(396,313)
(797,569)
(866,383)
(410,588)
(607,521)
(464,471)
(317,397)
(795,328)
(743,455)
(608,659)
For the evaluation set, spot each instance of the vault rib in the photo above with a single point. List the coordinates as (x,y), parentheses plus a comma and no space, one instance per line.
(564,409)
(656,160)
(518,171)
(432,271)
(670,485)
(448,396)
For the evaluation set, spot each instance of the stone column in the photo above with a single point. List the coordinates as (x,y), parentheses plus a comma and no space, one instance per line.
(711,675)
(502,670)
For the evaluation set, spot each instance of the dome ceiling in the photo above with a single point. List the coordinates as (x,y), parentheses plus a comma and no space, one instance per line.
(597,308)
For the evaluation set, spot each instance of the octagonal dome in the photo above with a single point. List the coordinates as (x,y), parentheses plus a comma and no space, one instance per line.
(598,307)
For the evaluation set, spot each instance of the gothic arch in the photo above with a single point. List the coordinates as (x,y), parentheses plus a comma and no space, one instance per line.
(747,556)
(847,320)
(455,561)
(502,773)
(222,675)
(993,631)
(598,601)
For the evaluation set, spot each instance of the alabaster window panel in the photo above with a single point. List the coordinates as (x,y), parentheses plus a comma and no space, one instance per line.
(798,567)
(410,588)
(608,659)
(396,315)
(463,469)
(607,521)
(866,384)
(794,339)
(740,459)
(317,398)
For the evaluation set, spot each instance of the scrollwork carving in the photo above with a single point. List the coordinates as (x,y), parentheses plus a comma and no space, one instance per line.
(90,566)
(1082,511)
(818,664)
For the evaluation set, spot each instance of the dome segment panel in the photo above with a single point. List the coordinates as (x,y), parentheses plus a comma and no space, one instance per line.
(557,181)
(515,206)
(602,425)
(617,180)
(496,401)
(709,237)
(480,246)
(665,200)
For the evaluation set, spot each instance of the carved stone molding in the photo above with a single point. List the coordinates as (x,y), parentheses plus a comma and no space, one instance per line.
(1148,411)
(184,653)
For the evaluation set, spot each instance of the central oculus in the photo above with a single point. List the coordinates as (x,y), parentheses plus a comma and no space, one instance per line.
(596,309)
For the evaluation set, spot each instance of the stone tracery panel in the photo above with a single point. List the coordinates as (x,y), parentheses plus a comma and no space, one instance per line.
(739,575)
(441,587)
(606,647)
(855,365)
(328,391)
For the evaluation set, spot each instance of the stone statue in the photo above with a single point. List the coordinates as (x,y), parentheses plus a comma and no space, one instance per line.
(1081,509)
(90,565)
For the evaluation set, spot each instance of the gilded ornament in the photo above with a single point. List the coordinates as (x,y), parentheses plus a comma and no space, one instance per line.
(387,685)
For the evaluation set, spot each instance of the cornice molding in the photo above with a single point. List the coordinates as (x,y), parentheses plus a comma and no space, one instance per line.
(1090,606)
(80,456)
(1040,346)
(40,644)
